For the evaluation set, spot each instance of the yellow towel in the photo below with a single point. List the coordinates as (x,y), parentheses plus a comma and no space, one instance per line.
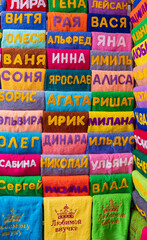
(67,218)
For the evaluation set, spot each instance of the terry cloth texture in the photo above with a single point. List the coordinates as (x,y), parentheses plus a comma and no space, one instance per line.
(24,39)
(62,121)
(18,121)
(76,59)
(101,23)
(21,218)
(68,101)
(138,13)
(97,61)
(144,234)
(107,184)
(97,145)
(135,2)
(67,80)
(27,20)
(140,184)
(140,160)
(54,186)
(73,40)
(21,186)
(141,138)
(140,75)
(2,5)
(103,81)
(140,117)
(69,213)
(119,123)
(20,143)
(79,166)
(140,96)
(39,5)
(139,53)
(118,8)
(21,100)
(23,58)
(102,41)
(115,101)
(111,216)
(64,143)
(139,36)
(66,22)
(66,6)
(110,163)
(136,226)
(22,79)
(140,204)
(20,165)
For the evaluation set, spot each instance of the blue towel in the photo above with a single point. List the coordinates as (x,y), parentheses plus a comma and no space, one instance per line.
(21,218)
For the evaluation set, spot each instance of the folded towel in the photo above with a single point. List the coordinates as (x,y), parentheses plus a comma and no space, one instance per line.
(139,36)
(115,183)
(67,218)
(141,118)
(140,94)
(140,160)
(21,186)
(144,234)
(101,41)
(21,218)
(140,184)
(100,122)
(141,140)
(138,13)
(136,226)
(77,6)
(68,80)
(102,81)
(21,121)
(13,5)
(64,165)
(62,121)
(19,165)
(111,215)
(54,186)
(110,163)
(114,101)
(140,75)
(140,204)
(103,23)
(58,21)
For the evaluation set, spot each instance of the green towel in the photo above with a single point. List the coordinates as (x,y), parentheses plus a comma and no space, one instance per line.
(111,215)
(140,183)
(136,226)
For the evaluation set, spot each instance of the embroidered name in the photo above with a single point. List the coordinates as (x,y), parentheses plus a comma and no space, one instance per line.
(18,100)
(23,39)
(69,101)
(23,58)
(68,59)
(139,32)
(72,162)
(23,20)
(21,186)
(109,5)
(69,40)
(111,60)
(31,5)
(65,121)
(138,13)
(140,164)
(68,6)
(108,23)
(72,22)
(62,189)
(111,42)
(140,96)
(22,79)
(140,72)
(68,80)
